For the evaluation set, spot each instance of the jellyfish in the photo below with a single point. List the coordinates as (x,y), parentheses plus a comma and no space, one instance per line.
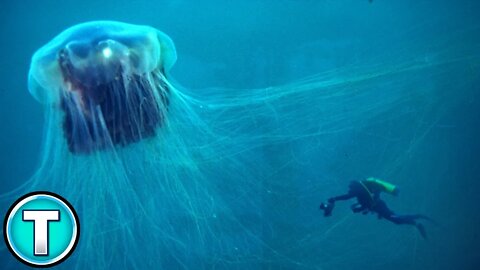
(114,122)
(164,177)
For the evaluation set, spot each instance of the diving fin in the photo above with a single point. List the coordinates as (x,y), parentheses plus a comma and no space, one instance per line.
(422,230)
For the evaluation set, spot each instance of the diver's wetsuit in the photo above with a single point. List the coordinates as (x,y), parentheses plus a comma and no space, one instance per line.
(367,192)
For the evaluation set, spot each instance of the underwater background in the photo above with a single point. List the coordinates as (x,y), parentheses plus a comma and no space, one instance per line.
(427,144)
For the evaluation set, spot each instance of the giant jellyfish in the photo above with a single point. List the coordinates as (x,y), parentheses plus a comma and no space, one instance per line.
(127,147)
(165,177)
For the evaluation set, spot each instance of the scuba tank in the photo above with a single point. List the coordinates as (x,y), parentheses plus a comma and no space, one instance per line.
(385,186)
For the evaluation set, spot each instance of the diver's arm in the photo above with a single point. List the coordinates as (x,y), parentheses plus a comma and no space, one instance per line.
(344,197)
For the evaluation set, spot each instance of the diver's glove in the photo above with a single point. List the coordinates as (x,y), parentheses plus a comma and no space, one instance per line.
(327,208)
(323,206)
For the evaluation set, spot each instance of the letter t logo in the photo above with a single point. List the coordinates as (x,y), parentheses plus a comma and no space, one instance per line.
(41,229)
(40,219)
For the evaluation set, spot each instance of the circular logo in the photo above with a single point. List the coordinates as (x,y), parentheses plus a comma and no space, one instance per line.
(41,229)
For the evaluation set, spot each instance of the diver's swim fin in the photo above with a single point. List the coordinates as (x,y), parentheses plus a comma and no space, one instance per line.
(415,217)
(422,230)
(327,208)
(428,219)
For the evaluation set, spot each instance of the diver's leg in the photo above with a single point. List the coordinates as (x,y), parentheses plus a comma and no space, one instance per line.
(397,219)
(410,220)
(384,212)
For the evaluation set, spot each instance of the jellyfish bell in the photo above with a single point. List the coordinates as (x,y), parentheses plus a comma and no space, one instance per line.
(108,79)
(96,45)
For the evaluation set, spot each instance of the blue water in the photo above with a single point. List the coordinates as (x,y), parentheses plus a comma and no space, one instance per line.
(426,143)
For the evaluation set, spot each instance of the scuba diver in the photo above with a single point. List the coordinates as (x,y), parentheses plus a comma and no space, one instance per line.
(367,192)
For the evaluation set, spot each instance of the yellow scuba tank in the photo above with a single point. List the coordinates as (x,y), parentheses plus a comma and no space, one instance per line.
(387,187)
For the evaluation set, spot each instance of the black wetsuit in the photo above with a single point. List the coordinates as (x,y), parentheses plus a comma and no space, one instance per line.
(367,194)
